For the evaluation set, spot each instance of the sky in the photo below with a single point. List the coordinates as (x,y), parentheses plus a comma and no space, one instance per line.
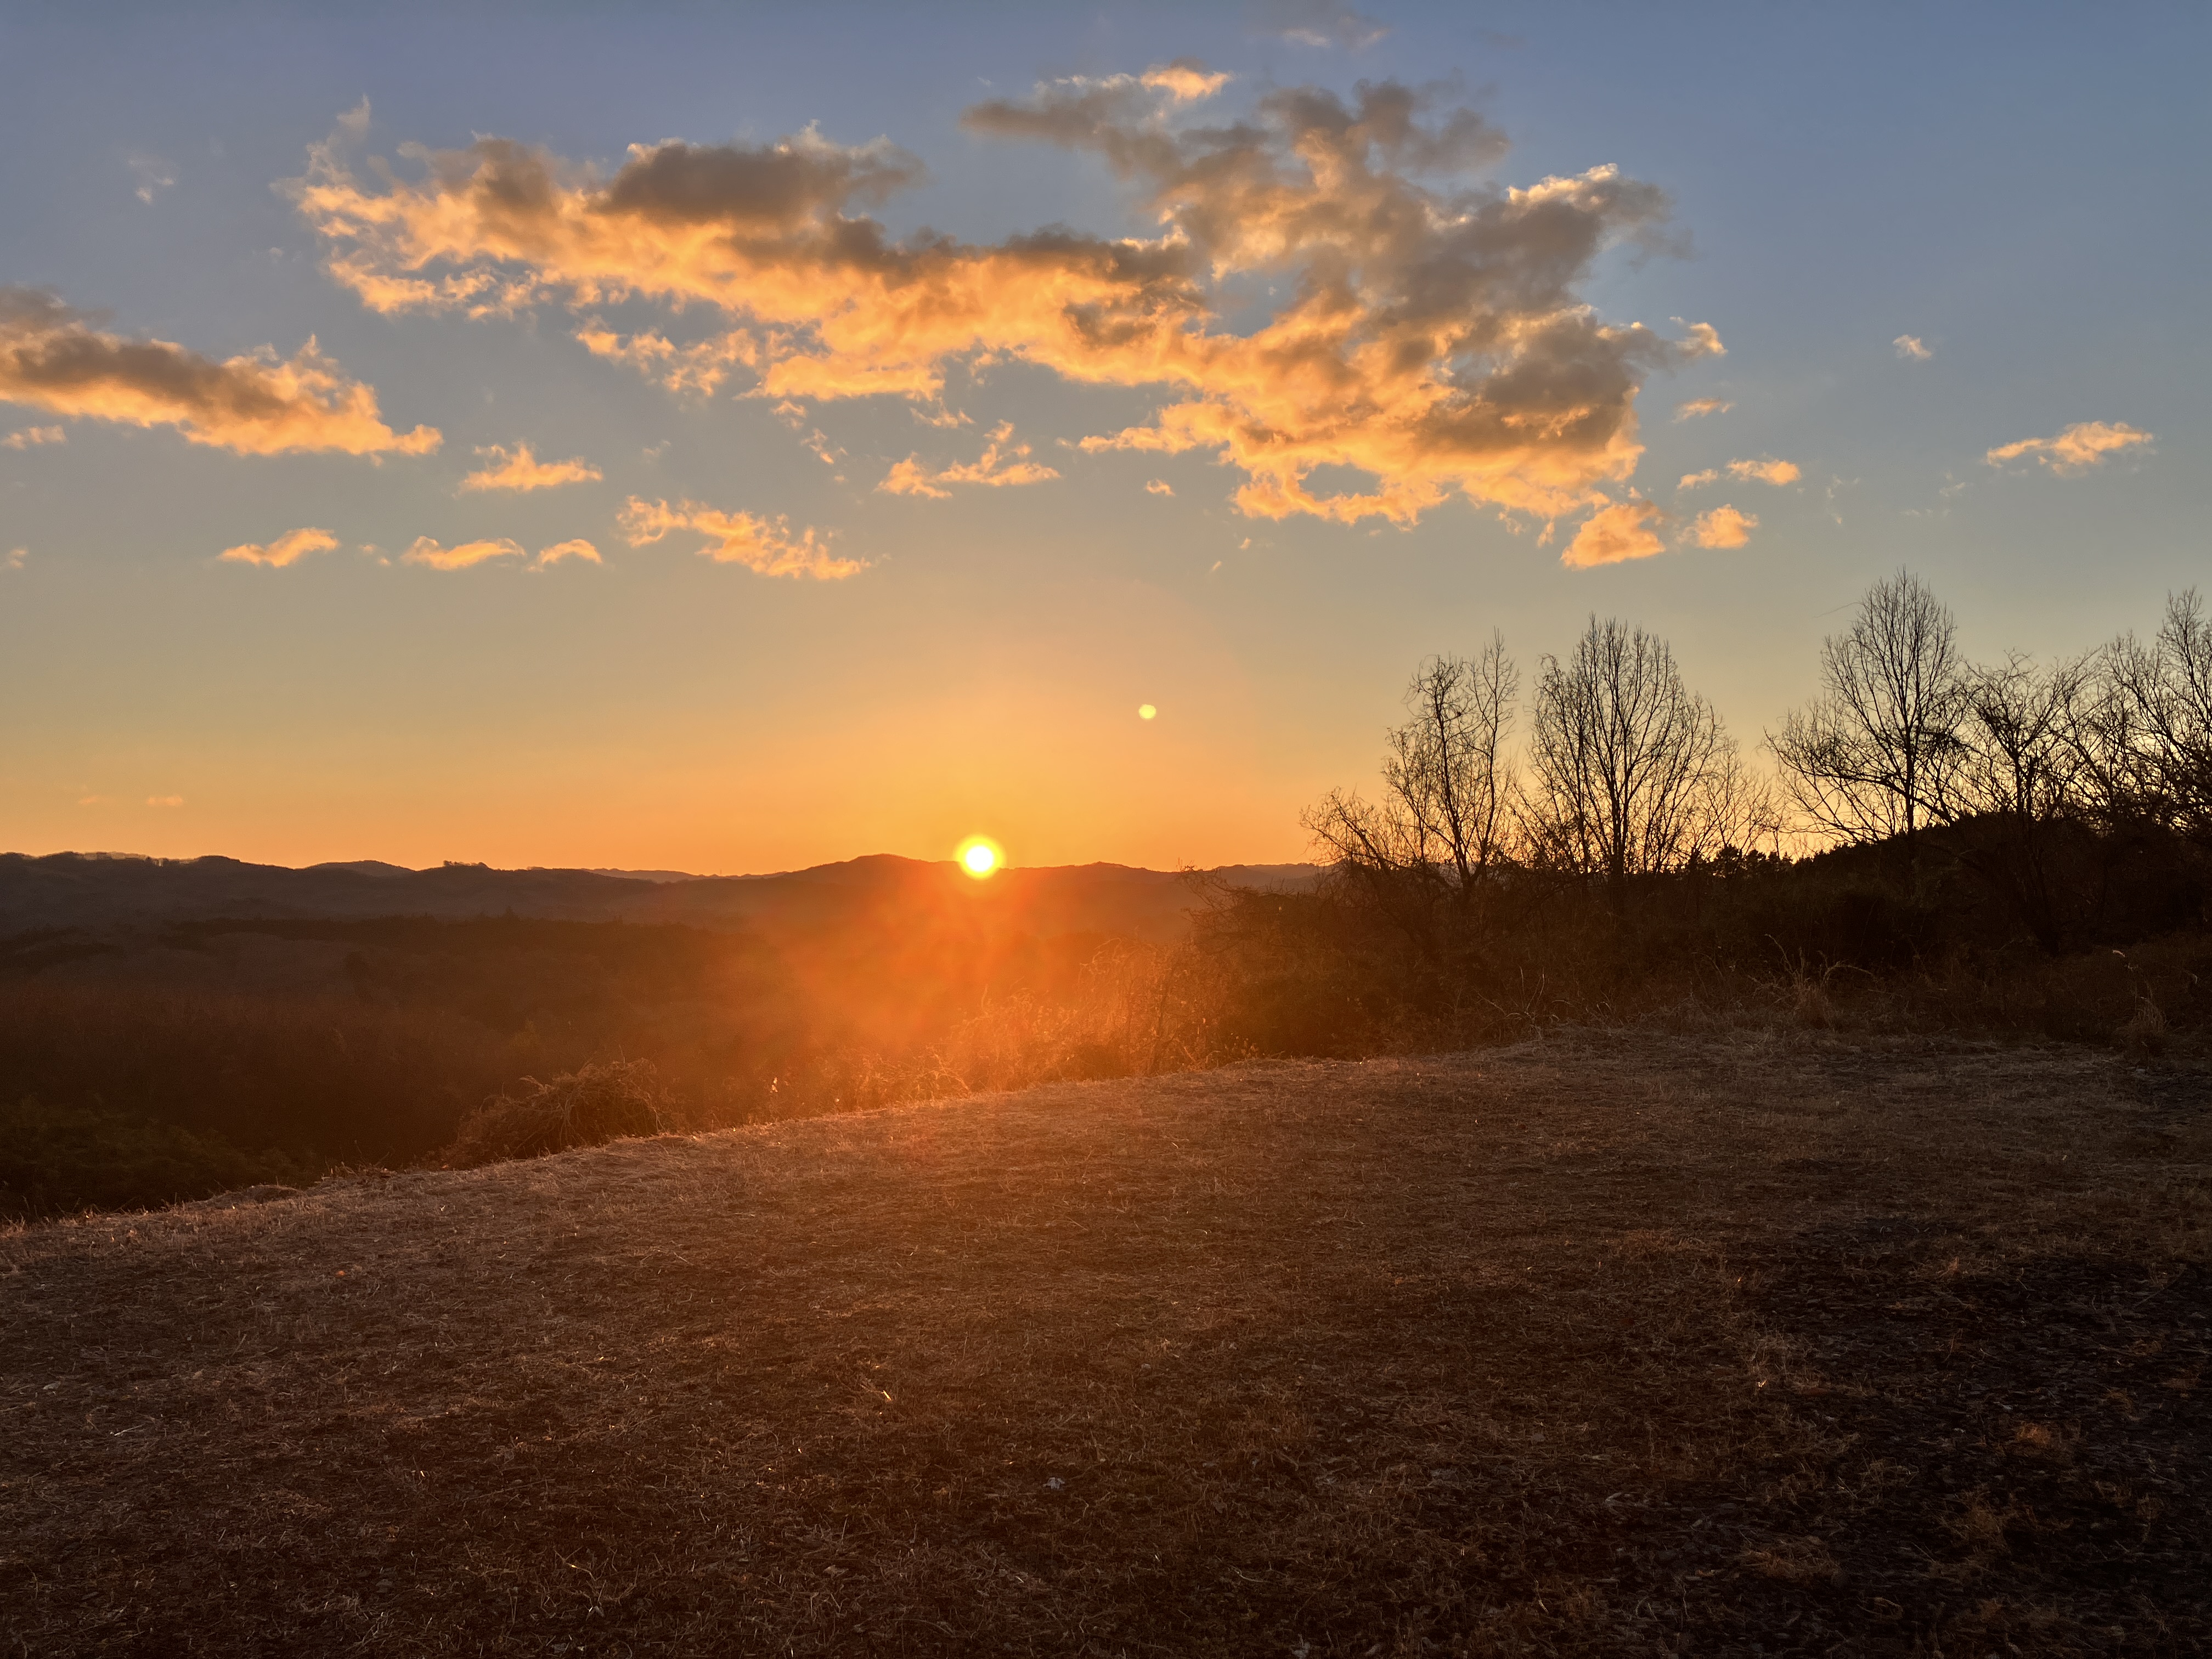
(737,438)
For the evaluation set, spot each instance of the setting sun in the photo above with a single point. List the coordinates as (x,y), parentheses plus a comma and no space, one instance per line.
(979,856)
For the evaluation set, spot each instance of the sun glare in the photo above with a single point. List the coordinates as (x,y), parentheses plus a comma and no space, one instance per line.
(981,856)
(1145,711)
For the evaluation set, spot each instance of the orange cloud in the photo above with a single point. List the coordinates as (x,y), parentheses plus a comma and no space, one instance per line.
(1437,342)
(53,358)
(761,545)
(1003,462)
(1767,470)
(579,549)
(2079,447)
(287,549)
(1911,348)
(427,551)
(31,437)
(1616,535)
(520,469)
(1698,406)
(1723,527)
(1159,487)
(165,801)
(1186,80)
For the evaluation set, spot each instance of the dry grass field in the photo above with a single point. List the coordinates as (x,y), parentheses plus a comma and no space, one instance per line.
(1737,1343)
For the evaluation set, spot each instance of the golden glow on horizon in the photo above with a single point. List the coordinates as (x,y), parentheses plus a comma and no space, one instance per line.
(1146,712)
(980,857)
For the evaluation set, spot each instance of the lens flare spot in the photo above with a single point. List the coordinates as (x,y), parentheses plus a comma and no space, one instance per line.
(1146,712)
(981,856)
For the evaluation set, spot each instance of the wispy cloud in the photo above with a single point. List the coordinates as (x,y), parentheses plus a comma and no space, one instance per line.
(152,174)
(427,551)
(1317,23)
(1437,342)
(1159,487)
(16,558)
(1629,530)
(579,549)
(287,549)
(165,801)
(1767,470)
(1003,462)
(31,436)
(2079,447)
(56,358)
(1698,406)
(1911,348)
(519,469)
(1723,527)
(763,545)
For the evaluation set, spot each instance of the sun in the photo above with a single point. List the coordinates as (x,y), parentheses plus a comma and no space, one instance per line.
(980,857)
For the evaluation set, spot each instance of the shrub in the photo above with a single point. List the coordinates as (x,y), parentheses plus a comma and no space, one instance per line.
(57,1160)
(587,1107)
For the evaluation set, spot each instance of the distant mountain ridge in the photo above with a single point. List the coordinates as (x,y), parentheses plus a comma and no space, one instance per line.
(96,891)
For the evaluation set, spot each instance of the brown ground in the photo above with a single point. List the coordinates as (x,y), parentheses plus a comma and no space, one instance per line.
(1748,1343)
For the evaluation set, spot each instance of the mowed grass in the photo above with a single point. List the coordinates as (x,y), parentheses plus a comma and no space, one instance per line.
(1632,1343)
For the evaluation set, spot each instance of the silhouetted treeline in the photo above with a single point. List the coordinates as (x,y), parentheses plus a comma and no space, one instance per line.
(2021,845)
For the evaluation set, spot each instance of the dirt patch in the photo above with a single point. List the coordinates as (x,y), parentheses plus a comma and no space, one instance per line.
(1614,1344)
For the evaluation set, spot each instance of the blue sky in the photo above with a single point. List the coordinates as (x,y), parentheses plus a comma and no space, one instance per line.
(2020,189)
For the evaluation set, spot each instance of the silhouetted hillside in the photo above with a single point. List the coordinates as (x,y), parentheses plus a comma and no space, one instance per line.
(93,891)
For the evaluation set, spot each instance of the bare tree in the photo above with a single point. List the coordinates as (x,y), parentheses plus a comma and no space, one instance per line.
(1445,815)
(2021,756)
(1877,752)
(2148,741)
(1629,772)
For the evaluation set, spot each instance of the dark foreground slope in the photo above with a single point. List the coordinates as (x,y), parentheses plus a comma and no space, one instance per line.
(1614,1344)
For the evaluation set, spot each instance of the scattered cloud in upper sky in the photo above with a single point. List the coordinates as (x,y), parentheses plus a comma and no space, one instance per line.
(1437,342)
(287,549)
(1723,527)
(54,358)
(577,549)
(1908,348)
(1697,406)
(427,551)
(519,469)
(2079,447)
(1002,462)
(763,544)
(1317,23)
(1767,470)
(152,175)
(1629,530)
(1159,487)
(1186,79)
(31,436)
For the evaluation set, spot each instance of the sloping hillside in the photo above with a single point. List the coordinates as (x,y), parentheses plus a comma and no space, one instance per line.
(1623,1344)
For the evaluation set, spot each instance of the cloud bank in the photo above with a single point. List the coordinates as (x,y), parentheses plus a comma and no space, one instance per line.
(56,358)
(2079,447)
(1433,339)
